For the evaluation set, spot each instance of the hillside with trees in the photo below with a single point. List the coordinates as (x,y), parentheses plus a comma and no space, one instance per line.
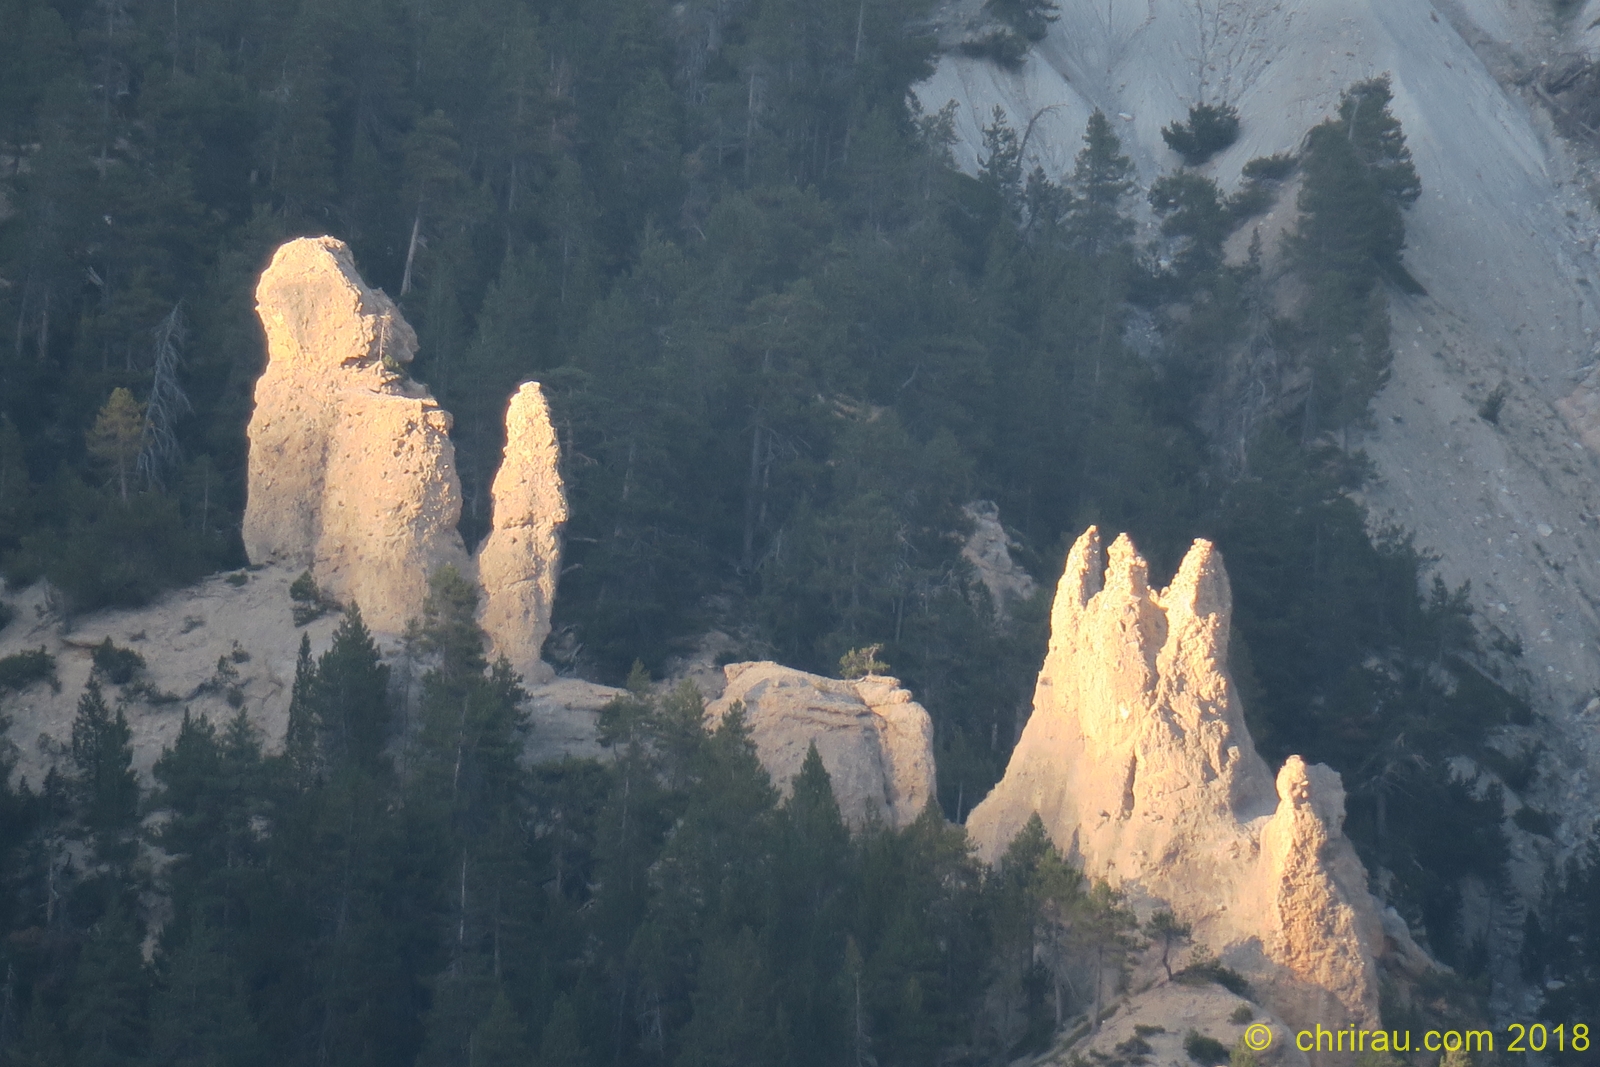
(785,340)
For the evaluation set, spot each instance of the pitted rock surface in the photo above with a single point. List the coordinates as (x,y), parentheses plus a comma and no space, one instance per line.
(352,473)
(874,739)
(520,561)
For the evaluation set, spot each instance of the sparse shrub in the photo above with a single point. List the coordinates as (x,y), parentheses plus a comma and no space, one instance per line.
(239,654)
(1489,410)
(1210,129)
(310,602)
(142,690)
(1005,48)
(860,662)
(1252,200)
(1029,18)
(1270,168)
(25,668)
(116,665)
(7,613)
(1242,1055)
(1146,1029)
(1208,970)
(1242,1014)
(237,579)
(1206,1051)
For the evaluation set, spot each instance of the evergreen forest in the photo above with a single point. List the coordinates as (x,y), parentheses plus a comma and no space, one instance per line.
(786,340)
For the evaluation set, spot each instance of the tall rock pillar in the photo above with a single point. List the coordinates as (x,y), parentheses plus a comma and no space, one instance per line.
(352,473)
(520,561)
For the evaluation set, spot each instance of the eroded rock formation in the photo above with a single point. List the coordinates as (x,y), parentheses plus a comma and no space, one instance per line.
(874,739)
(988,550)
(352,472)
(520,561)
(1138,760)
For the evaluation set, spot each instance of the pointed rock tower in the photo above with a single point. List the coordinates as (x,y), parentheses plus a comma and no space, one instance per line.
(1138,760)
(520,561)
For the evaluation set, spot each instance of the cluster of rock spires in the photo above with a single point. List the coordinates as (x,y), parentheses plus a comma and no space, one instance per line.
(353,476)
(1136,756)
(1138,761)
(352,473)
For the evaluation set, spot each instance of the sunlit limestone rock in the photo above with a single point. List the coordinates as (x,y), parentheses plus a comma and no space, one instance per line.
(352,472)
(1138,760)
(875,741)
(520,561)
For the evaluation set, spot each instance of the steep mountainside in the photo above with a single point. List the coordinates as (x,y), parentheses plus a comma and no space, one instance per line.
(1502,490)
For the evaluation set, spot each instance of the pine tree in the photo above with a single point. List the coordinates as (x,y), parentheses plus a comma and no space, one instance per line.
(351,697)
(102,754)
(300,737)
(501,1039)
(1101,177)
(117,437)
(200,1017)
(107,1005)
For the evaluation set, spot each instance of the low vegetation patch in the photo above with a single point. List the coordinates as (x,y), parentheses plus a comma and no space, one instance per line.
(25,668)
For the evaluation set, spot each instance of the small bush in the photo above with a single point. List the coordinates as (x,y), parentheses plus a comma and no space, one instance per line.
(1208,972)
(1206,1051)
(1146,1029)
(1254,199)
(860,662)
(116,665)
(25,668)
(1489,410)
(1005,48)
(1210,129)
(1270,168)
(1242,1014)
(1029,18)
(237,579)
(7,613)
(142,690)
(310,602)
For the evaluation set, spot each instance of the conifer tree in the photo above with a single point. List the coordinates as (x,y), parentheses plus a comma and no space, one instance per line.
(1101,177)
(117,437)
(102,755)
(351,697)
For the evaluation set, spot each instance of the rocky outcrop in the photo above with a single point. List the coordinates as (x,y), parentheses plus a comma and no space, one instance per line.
(875,741)
(351,472)
(988,550)
(1138,760)
(520,561)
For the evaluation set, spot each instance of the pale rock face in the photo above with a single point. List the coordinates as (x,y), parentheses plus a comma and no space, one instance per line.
(1138,760)
(875,741)
(988,550)
(520,561)
(352,473)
